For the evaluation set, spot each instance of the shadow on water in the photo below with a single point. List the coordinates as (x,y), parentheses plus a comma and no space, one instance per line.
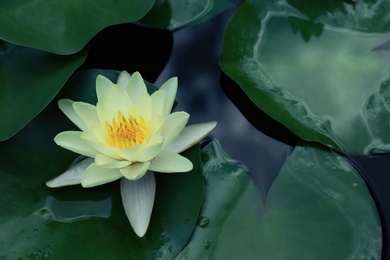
(195,61)
(245,132)
(375,171)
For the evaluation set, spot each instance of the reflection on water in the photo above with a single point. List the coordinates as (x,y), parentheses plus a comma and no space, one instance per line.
(68,211)
(375,171)
(195,62)
(246,133)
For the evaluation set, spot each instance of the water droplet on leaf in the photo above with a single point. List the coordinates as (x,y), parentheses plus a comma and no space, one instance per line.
(203,221)
(206,244)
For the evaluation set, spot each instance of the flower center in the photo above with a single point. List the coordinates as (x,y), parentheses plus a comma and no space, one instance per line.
(126,132)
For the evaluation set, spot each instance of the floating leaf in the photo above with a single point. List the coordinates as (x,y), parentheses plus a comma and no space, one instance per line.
(318,208)
(313,77)
(170,14)
(29,80)
(39,222)
(64,27)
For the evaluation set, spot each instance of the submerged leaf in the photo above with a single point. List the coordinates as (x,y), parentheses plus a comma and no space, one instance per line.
(29,80)
(317,202)
(313,74)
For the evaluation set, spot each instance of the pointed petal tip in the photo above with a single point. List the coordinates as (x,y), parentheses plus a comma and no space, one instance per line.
(72,176)
(138,200)
(191,135)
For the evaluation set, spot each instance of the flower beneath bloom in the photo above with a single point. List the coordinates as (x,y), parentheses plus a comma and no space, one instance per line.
(127,133)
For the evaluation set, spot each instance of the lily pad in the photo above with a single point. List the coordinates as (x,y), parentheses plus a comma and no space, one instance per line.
(170,14)
(314,74)
(318,208)
(38,222)
(64,27)
(28,73)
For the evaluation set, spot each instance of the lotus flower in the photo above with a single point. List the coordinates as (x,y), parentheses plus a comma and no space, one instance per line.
(126,134)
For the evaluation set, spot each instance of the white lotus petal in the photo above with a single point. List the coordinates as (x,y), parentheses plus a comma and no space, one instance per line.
(191,135)
(136,88)
(109,162)
(95,175)
(87,113)
(170,87)
(123,79)
(71,140)
(174,123)
(138,199)
(103,84)
(135,171)
(72,176)
(66,106)
(168,162)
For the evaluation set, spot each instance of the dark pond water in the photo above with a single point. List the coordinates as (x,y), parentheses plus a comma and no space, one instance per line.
(245,132)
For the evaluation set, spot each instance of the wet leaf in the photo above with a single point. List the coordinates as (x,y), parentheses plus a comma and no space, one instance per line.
(314,74)
(318,208)
(170,14)
(64,27)
(27,73)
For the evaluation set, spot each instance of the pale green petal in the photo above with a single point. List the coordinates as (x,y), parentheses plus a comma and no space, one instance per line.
(135,171)
(95,176)
(167,161)
(123,79)
(138,199)
(102,148)
(156,125)
(72,141)
(110,163)
(136,87)
(191,135)
(170,87)
(87,113)
(150,152)
(119,99)
(159,101)
(173,125)
(106,112)
(66,106)
(144,106)
(103,84)
(141,153)
(71,176)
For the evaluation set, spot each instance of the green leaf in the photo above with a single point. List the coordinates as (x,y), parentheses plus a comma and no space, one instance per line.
(170,14)
(64,27)
(316,79)
(39,222)
(29,80)
(317,208)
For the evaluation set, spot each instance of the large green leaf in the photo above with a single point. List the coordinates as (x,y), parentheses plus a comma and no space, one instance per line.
(323,75)
(318,208)
(75,223)
(64,27)
(29,79)
(171,14)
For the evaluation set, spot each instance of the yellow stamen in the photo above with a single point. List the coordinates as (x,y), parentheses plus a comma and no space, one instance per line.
(127,132)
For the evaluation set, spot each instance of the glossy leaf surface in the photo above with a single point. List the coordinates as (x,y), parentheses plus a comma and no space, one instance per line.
(320,70)
(317,208)
(27,73)
(170,14)
(38,222)
(64,27)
